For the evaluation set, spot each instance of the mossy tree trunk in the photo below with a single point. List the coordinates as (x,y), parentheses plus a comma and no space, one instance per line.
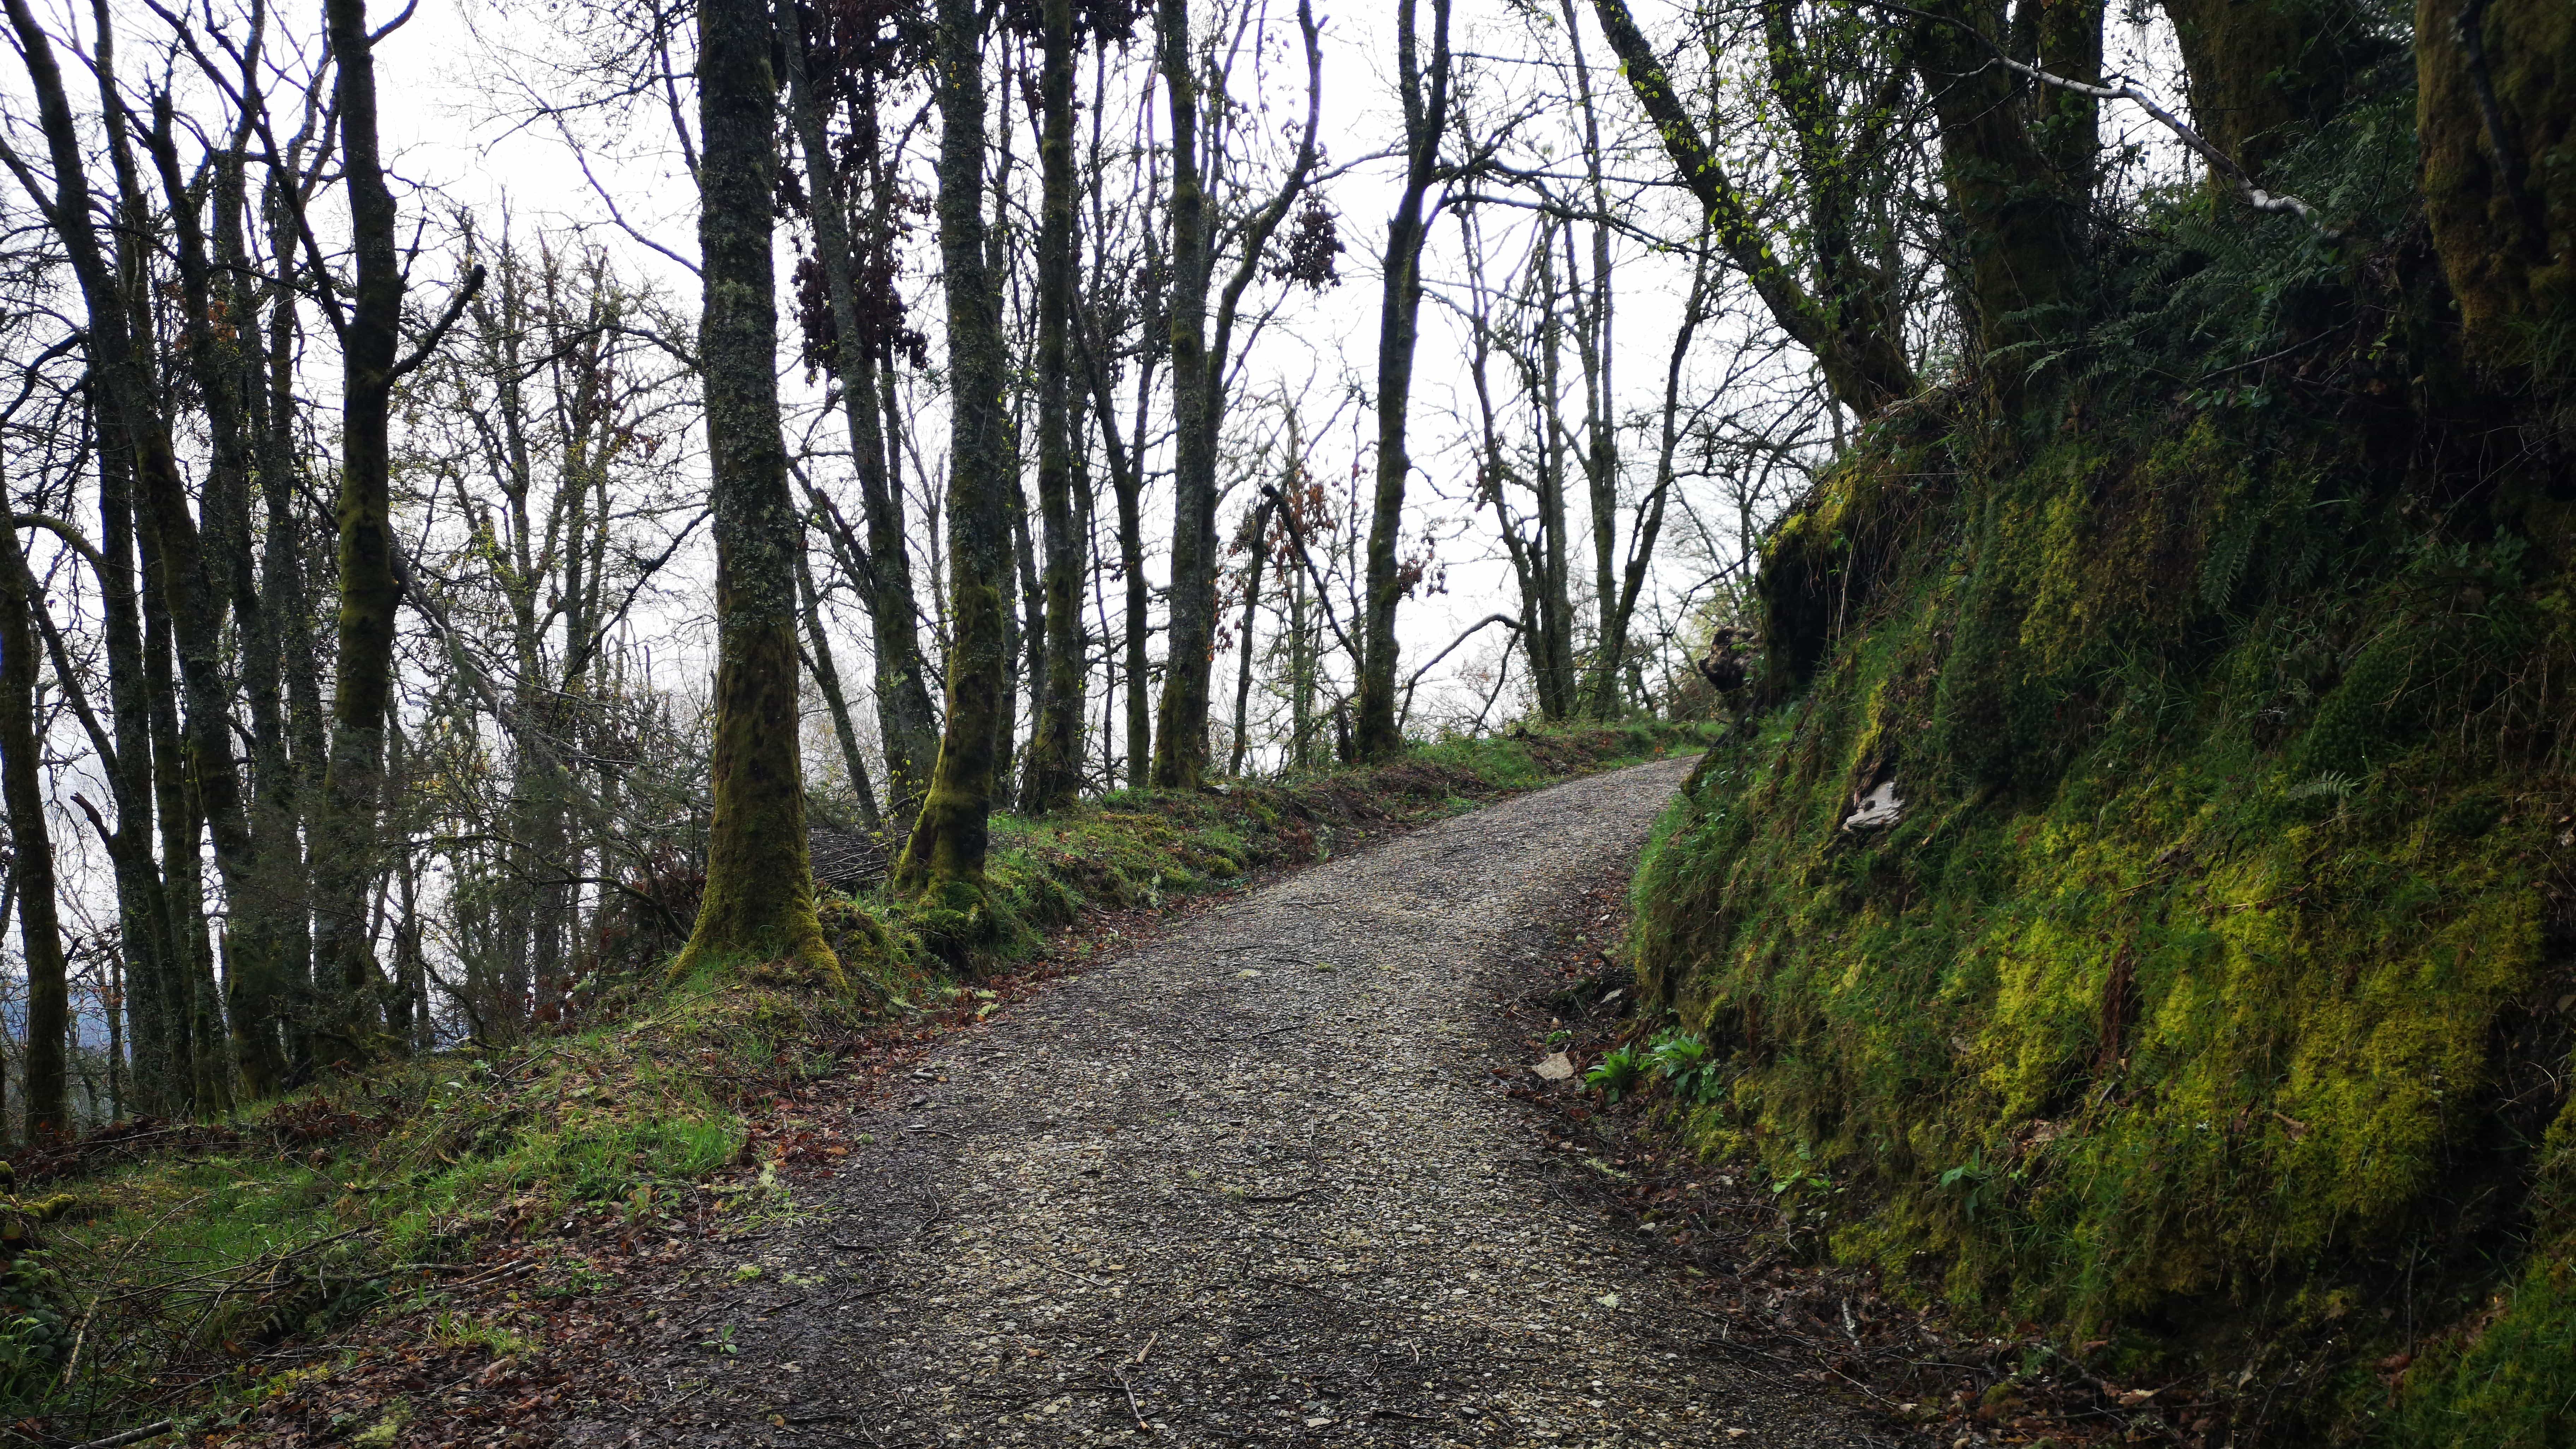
(759,901)
(156,989)
(288,776)
(827,679)
(31,840)
(1425,94)
(946,850)
(2263,73)
(2020,229)
(2496,120)
(196,782)
(246,836)
(348,855)
(1127,484)
(1256,541)
(2067,41)
(1180,725)
(1054,775)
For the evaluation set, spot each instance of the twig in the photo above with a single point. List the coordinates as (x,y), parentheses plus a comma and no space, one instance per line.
(1148,1348)
(131,1436)
(1132,1406)
(80,1335)
(506,1269)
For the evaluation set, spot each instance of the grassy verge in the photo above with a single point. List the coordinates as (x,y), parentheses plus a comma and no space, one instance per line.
(193,1271)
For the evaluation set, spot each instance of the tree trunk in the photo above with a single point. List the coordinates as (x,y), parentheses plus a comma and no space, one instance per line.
(2022,236)
(946,851)
(2068,124)
(254,947)
(907,727)
(346,854)
(1863,356)
(1180,744)
(122,362)
(156,987)
(1650,517)
(2496,120)
(1258,534)
(287,779)
(39,929)
(1426,117)
(2263,73)
(827,678)
(759,901)
(1055,750)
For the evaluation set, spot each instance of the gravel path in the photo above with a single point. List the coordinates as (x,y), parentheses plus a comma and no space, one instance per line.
(1255,1184)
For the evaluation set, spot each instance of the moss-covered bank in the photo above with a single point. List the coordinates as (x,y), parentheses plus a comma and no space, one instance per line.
(2210,1004)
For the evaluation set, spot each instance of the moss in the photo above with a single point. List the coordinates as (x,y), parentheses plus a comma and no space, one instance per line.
(2194,990)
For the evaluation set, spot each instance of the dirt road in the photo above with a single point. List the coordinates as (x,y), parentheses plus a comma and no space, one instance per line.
(1254,1184)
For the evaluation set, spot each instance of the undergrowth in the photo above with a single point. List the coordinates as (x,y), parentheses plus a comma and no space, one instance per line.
(193,1268)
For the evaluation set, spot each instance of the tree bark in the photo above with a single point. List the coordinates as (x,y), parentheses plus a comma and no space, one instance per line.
(39,928)
(346,853)
(1054,776)
(2496,121)
(1426,119)
(759,900)
(2263,73)
(1257,534)
(827,678)
(907,727)
(1199,357)
(254,945)
(946,852)
(2021,233)
(200,783)
(1180,725)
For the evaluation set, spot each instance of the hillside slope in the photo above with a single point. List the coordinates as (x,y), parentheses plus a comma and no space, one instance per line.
(2208,1003)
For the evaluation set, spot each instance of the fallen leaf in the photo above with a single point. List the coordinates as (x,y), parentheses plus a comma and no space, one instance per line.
(1555,1069)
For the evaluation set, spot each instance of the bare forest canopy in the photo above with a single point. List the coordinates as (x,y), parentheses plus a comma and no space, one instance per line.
(421,597)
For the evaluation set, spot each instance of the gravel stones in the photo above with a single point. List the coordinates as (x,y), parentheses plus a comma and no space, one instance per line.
(1253,1184)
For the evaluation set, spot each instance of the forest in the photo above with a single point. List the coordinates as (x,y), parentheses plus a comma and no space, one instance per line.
(370,616)
(509,511)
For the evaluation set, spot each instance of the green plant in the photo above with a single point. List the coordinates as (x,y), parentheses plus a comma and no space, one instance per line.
(460,1330)
(1805,1174)
(1971,1180)
(1686,1065)
(1618,1073)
